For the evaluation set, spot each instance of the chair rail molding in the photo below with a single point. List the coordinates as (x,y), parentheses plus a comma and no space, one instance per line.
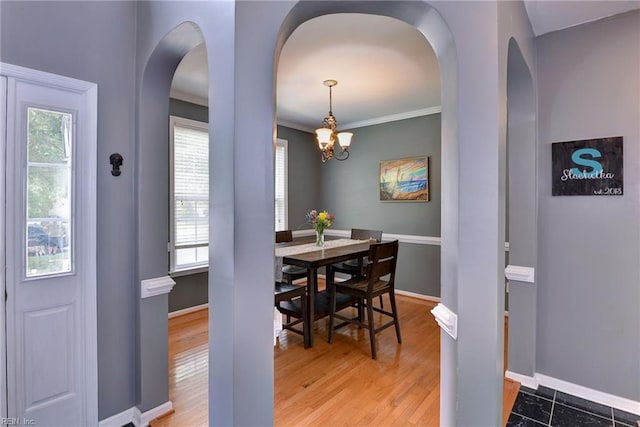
(402,238)
(520,273)
(156,286)
(447,320)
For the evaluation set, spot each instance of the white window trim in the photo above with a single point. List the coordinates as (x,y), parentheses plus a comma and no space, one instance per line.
(284,143)
(196,268)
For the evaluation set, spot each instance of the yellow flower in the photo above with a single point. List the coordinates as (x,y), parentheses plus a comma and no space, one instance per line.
(323,215)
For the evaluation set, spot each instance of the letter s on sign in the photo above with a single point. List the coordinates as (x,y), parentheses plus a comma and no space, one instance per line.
(577,158)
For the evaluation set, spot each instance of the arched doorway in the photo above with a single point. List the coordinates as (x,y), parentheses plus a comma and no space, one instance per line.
(522,211)
(428,21)
(152,196)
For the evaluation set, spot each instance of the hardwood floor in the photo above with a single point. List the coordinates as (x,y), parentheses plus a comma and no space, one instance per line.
(345,388)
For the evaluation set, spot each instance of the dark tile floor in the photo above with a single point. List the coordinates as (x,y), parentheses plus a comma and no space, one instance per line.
(548,407)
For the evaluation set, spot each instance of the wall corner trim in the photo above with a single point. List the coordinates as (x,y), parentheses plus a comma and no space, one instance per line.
(447,319)
(156,286)
(520,273)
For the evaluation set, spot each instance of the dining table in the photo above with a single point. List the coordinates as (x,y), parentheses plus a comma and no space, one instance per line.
(303,252)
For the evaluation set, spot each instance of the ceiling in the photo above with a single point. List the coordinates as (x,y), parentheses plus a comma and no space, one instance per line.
(384,68)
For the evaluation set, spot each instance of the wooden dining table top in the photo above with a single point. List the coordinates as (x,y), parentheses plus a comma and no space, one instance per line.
(324,255)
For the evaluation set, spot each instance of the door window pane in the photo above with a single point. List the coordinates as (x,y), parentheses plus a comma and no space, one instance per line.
(49,193)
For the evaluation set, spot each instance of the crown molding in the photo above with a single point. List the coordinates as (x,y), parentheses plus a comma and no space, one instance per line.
(296,126)
(393,118)
(370,122)
(187,97)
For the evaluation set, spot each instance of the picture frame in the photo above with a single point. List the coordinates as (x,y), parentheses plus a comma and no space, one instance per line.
(588,167)
(404,180)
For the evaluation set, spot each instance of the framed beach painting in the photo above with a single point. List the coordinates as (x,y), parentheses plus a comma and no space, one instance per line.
(404,180)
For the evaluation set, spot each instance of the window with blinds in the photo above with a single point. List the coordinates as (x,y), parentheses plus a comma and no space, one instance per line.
(189,194)
(281,185)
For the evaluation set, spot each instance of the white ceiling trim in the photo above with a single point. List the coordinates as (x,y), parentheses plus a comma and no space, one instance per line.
(370,122)
(393,117)
(188,97)
(296,126)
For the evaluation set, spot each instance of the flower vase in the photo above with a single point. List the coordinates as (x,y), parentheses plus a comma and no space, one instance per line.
(319,238)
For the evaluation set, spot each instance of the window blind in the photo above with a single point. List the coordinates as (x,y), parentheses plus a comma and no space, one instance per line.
(190,194)
(281,185)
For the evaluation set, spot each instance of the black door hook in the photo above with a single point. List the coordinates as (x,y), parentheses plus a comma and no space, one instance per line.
(116,161)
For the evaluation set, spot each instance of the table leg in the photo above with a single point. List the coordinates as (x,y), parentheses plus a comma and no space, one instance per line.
(312,288)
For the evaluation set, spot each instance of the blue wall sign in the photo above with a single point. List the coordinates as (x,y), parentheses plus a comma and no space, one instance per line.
(591,167)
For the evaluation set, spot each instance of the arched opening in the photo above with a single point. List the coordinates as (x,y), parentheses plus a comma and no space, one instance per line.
(242,377)
(522,213)
(427,20)
(375,59)
(152,196)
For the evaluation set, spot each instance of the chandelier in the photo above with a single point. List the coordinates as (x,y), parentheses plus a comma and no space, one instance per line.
(327,134)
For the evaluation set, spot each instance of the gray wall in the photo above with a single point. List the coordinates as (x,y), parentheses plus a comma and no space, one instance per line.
(304,175)
(350,191)
(190,290)
(588,270)
(188,110)
(80,40)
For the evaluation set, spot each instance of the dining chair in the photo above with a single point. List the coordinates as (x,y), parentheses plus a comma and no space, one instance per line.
(289,272)
(291,300)
(379,280)
(357,267)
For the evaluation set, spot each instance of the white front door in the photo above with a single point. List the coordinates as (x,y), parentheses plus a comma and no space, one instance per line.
(50,225)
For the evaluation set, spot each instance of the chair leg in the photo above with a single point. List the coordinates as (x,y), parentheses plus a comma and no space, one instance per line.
(392,298)
(372,328)
(381,302)
(332,312)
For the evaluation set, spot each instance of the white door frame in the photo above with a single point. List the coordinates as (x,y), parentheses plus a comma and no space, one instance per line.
(89,156)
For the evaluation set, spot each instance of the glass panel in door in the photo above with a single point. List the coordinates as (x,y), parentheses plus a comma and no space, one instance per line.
(49,193)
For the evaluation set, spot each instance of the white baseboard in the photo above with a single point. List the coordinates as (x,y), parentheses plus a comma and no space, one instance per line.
(121,419)
(525,380)
(137,418)
(618,402)
(147,416)
(607,399)
(188,310)
(417,296)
